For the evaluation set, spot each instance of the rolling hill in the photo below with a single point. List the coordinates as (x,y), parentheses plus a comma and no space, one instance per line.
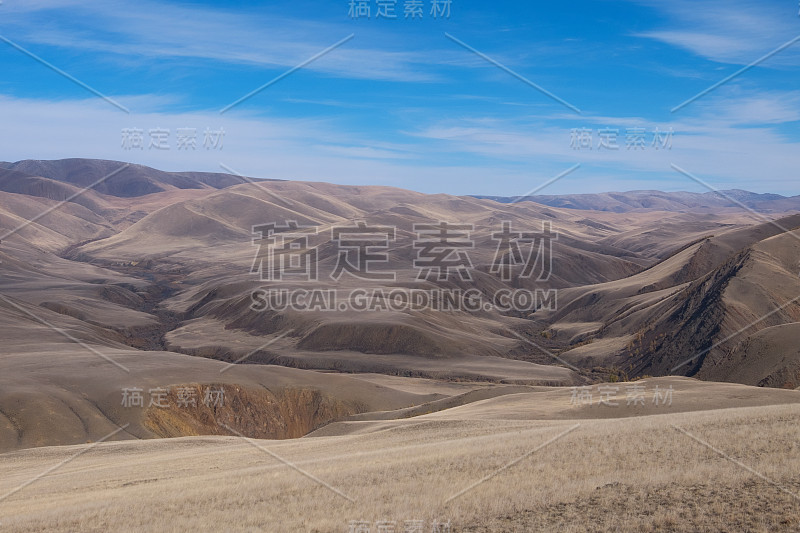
(155,271)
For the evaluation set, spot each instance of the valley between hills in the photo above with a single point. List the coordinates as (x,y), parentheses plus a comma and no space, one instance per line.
(664,359)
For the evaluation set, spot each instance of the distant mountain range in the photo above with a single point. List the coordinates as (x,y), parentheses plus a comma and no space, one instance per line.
(622,202)
(132,181)
(58,179)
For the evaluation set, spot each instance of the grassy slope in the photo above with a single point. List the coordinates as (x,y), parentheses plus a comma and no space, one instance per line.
(625,474)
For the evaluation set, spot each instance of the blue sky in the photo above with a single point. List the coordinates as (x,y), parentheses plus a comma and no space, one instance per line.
(401,103)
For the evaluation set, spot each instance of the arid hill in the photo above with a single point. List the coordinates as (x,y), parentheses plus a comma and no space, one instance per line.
(154,271)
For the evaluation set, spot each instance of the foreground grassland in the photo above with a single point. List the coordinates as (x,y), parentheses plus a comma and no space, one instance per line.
(726,468)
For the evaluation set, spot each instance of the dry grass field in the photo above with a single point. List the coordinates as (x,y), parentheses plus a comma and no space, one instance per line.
(731,466)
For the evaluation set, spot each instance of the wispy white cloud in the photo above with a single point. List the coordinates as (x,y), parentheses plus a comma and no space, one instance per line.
(729,31)
(763,108)
(149,30)
(733,142)
(719,47)
(313,149)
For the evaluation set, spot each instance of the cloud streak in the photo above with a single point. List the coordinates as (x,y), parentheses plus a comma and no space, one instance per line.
(162,31)
(727,143)
(728,31)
